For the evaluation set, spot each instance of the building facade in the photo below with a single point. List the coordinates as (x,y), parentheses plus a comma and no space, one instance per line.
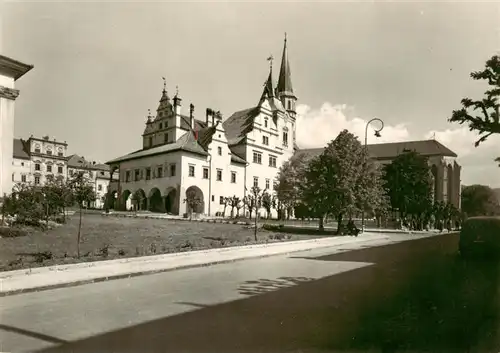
(97,173)
(38,159)
(212,158)
(10,71)
(446,172)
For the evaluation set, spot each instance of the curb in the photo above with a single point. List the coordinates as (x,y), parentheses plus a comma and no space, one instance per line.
(168,269)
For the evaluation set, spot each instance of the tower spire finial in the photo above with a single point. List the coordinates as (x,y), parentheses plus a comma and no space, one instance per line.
(270,59)
(164,83)
(285,37)
(176,90)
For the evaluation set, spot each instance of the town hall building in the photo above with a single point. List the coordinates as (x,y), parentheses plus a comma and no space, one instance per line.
(209,157)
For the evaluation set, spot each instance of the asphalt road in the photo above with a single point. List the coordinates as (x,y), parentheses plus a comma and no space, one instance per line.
(414,296)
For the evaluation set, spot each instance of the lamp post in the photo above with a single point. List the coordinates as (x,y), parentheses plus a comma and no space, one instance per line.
(377,134)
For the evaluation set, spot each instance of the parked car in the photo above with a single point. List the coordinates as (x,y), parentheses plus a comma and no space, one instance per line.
(480,237)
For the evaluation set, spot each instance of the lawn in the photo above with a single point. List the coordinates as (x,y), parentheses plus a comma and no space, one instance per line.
(105,238)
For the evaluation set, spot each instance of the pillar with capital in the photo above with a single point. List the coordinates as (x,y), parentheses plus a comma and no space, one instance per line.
(10,71)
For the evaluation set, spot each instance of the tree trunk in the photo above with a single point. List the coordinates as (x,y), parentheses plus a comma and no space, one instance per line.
(79,232)
(255,229)
(339,223)
(321,223)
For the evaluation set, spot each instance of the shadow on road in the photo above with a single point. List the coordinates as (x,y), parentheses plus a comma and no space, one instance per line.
(419,296)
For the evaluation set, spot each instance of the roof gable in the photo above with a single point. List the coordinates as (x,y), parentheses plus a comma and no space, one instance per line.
(20,150)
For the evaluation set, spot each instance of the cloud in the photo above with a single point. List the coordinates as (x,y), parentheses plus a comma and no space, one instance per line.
(317,127)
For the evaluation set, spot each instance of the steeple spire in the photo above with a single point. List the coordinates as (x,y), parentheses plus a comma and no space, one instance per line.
(268,85)
(285,76)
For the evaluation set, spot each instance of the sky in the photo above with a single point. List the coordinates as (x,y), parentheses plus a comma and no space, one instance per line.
(99,68)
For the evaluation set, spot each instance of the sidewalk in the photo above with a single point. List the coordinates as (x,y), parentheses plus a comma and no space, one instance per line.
(44,278)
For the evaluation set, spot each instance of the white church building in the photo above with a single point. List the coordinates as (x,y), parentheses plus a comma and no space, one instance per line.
(215,159)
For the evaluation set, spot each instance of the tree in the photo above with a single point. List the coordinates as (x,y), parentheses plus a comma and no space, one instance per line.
(409,187)
(234,202)
(82,192)
(267,203)
(333,179)
(226,201)
(192,201)
(479,200)
(249,202)
(257,195)
(287,183)
(26,204)
(487,122)
(370,194)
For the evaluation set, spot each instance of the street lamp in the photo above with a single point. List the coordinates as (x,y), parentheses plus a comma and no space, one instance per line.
(377,134)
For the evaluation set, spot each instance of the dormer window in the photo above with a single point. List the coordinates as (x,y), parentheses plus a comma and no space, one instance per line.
(37,148)
(49,151)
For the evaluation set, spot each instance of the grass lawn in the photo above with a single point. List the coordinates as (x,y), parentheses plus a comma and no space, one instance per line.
(125,237)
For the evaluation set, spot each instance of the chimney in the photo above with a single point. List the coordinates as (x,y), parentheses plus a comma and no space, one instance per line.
(209,117)
(177,104)
(191,115)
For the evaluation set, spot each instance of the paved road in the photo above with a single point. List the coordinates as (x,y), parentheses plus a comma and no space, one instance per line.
(412,296)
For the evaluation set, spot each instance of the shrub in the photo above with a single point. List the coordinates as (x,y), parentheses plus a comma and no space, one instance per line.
(42,256)
(104,251)
(121,252)
(9,232)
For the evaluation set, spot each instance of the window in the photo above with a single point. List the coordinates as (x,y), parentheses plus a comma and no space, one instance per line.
(60,169)
(205,173)
(49,168)
(60,152)
(213,197)
(265,122)
(172,169)
(127,175)
(49,151)
(289,105)
(267,184)
(272,161)
(148,173)
(99,187)
(219,151)
(12,176)
(219,174)
(161,126)
(23,178)
(165,138)
(265,140)
(191,170)
(137,175)
(221,200)
(22,164)
(37,166)
(233,177)
(37,149)
(37,180)
(150,141)
(255,181)
(159,172)
(285,138)
(257,157)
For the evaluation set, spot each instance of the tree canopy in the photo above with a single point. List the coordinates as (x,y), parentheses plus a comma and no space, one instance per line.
(408,183)
(480,200)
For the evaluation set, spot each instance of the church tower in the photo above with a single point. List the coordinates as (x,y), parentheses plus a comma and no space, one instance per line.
(284,90)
